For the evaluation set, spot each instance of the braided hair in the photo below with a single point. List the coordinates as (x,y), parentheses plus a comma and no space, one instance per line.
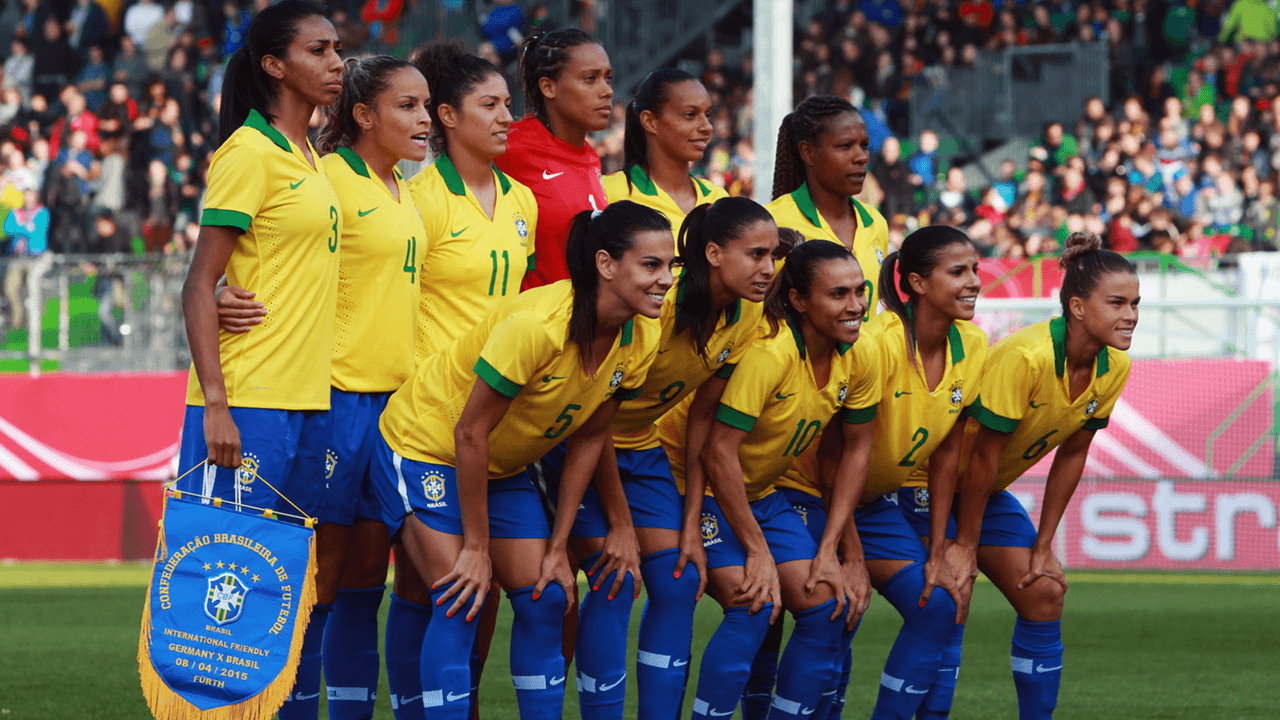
(544,55)
(362,82)
(804,124)
(451,73)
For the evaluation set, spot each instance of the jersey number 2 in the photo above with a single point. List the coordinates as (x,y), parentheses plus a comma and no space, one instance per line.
(921,433)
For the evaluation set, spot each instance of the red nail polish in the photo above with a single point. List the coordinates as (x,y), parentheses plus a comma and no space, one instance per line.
(610,597)
(677,574)
(535,596)
(922,602)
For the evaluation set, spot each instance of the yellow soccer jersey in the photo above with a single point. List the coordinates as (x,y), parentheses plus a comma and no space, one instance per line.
(913,421)
(775,399)
(522,350)
(645,191)
(377,278)
(1025,392)
(870,243)
(469,262)
(679,370)
(291,221)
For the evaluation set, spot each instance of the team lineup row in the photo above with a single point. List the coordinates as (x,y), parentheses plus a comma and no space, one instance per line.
(508,367)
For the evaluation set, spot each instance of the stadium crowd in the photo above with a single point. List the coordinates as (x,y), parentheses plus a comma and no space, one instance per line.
(107,110)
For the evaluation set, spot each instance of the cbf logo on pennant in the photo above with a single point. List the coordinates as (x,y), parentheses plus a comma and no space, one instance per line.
(225,598)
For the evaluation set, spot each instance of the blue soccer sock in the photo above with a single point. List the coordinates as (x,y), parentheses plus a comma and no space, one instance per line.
(808,665)
(537,663)
(937,704)
(1037,667)
(601,652)
(666,634)
(758,693)
(445,660)
(916,656)
(406,629)
(351,654)
(726,663)
(832,704)
(304,699)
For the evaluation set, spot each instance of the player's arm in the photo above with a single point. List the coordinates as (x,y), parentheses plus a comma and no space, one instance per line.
(1064,476)
(621,550)
(975,490)
(702,415)
(944,466)
(840,545)
(473,572)
(213,251)
(238,312)
(582,455)
(723,469)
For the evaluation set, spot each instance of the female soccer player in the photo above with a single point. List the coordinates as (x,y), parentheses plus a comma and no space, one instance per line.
(727,250)
(786,388)
(567,84)
(932,360)
(1053,384)
(553,363)
(668,127)
(258,402)
(821,163)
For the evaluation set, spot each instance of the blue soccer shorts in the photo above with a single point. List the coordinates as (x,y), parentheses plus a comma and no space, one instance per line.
(782,526)
(1005,523)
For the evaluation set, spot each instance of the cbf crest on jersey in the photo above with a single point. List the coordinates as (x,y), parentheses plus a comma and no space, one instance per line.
(433,486)
(842,394)
(522,229)
(1092,407)
(228,605)
(957,395)
(616,379)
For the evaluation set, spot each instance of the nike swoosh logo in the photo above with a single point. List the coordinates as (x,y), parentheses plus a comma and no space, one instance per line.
(549,378)
(607,688)
(713,713)
(294,186)
(664,351)
(1034,405)
(300,696)
(780,396)
(456,234)
(897,393)
(556,681)
(550,175)
(362,213)
(451,697)
(913,691)
(807,711)
(679,663)
(411,699)
(1041,668)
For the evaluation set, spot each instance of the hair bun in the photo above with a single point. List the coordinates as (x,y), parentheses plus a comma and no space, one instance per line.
(1079,244)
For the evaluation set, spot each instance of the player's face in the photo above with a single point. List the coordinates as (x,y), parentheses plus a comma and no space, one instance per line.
(682,127)
(744,266)
(311,66)
(484,118)
(837,300)
(642,276)
(583,93)
(839,162)
(952,288)
(401,122)
(1111,311)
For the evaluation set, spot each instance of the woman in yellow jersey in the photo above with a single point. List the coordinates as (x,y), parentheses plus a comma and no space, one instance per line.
(257,403)
(380,118)
(668,128)
(821,163)
(550,364)
(932,360)
(727,250)
(1050,385)
(789,385)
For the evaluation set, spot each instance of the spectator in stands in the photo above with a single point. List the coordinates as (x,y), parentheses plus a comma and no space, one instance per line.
(502,25)
(139,19)
(19,67)
(56,64)
(88,26)
(108,284)
(130,66)
(1249,20)
(923,161)
(28,231)
(383,20)
(892,174)
(92,81)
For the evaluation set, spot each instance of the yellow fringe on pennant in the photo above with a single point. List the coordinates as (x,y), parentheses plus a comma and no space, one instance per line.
(165,704)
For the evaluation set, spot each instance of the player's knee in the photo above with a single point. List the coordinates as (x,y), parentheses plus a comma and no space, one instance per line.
(1043,602)
(548,609)
(658,571)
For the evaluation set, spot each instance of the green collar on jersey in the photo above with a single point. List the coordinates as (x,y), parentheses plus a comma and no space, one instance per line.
(641,181)
(628,329)
(356,162)
(798,336)
(953,335)
(1058,333)
(804,201)
(259,123)
(453,180)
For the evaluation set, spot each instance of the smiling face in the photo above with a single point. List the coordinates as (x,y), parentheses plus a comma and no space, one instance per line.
(310,67)
(745,264)
(952,287)
(836,302)
(838,161)
(682,127)
(581,94)
(1110,313)
(642,276)
(481,124)
(398,119)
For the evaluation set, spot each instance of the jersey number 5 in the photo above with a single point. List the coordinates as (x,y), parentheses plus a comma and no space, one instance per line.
(565,419)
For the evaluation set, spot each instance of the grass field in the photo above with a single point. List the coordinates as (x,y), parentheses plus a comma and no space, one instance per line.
(1139,645)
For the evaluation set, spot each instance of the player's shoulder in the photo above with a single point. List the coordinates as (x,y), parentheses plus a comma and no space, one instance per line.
(1032,344)
(871,219)
(616,186)
(344,167)
(517,191)
(973,338)
(244,143)
(708,192)
(1118,364)
(784,209)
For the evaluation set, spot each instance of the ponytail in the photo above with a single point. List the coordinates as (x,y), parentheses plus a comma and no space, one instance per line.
(804,124)
(651,95)
(717,224)
(612,230)
(362,82)
(918,256)
(797,274)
